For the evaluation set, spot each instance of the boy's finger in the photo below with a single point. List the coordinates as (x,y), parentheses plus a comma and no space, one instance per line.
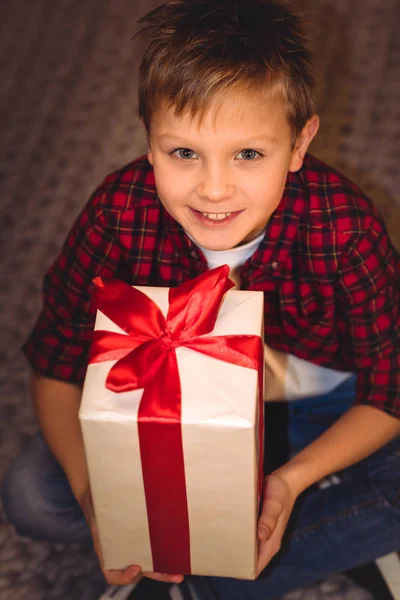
(164,577)
(133,571)
(272,510)
(116,577)
(266,526)
(266,553)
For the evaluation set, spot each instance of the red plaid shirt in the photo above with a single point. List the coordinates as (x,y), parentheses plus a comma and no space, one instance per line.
(329,274)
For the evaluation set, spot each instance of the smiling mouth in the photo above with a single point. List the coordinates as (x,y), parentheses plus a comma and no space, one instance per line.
(216,217)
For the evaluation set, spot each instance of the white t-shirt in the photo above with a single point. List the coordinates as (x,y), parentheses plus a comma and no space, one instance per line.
(287,377)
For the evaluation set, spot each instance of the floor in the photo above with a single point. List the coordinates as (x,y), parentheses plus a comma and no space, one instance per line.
(389,566)
(67,114)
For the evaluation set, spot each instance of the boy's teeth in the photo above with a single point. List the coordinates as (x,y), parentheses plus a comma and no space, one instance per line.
(216,216)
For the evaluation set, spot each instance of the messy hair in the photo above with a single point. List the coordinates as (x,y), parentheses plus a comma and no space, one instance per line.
(195,50)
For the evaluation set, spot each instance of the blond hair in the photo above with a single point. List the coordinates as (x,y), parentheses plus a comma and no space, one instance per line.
(194,50)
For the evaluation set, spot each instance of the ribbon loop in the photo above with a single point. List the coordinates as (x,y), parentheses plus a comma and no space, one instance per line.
(194,305)
(193,311)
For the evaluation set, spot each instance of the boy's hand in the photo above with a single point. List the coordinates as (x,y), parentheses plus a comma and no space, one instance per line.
(164,577)
(123,576)
(277,504)
(113,577)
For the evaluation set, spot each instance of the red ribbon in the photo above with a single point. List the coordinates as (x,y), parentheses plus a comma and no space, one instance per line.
(146,359)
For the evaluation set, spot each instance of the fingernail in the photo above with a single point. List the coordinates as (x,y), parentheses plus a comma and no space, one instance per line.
(263,533)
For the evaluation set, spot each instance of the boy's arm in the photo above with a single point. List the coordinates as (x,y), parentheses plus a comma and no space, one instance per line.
(358,433)
(56,406)
(57,409)
(368,327)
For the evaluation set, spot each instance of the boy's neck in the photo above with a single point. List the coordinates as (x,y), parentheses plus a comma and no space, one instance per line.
(233,257)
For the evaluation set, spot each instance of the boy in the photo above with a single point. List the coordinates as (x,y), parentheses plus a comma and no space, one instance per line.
(226,98)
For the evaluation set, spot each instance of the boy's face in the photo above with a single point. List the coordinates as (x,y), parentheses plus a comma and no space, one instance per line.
(222,178)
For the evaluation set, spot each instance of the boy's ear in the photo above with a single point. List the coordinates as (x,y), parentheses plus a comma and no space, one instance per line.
(149,152)
(302,143)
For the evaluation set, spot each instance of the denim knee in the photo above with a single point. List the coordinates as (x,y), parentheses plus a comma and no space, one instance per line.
(38,501)
(20,504)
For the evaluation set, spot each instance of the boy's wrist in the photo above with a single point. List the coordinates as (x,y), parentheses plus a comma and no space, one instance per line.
(360,431)
(296,476)
(81,492)
(86,504)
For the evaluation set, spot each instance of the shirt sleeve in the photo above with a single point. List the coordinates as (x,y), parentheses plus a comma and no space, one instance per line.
(368,317)
(59,343)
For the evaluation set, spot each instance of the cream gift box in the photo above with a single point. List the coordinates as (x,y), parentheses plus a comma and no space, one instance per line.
(194,508)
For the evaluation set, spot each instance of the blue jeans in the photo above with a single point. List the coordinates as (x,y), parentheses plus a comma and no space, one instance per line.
(333,528)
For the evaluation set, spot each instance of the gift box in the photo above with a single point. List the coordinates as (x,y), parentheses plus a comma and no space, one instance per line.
(171,416)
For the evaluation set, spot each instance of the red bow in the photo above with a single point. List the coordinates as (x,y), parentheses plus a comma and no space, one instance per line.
(146,359)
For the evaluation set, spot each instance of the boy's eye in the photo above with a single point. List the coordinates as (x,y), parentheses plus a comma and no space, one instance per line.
(184,153)
(249,154)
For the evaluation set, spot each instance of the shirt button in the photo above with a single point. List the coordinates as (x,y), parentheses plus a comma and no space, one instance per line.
(274,265)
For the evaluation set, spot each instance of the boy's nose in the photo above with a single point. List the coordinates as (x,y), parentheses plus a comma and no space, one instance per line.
(215,187)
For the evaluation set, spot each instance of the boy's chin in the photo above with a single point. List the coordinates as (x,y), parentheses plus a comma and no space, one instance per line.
(217,245)
(220,244)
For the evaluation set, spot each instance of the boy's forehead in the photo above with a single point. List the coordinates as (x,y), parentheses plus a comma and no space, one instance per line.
(230,109)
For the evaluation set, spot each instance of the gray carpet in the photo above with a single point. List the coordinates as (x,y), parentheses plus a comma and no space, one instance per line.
(67,112)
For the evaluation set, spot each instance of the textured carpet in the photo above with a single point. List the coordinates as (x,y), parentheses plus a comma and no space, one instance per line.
(67,112)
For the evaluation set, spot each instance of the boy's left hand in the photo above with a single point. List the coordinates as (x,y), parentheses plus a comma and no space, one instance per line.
(277,505)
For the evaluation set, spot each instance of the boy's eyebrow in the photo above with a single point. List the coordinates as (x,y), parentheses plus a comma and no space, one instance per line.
(252,140)
(263,138)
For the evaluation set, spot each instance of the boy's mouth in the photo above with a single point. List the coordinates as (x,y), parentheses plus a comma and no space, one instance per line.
(216,216)
(210,217)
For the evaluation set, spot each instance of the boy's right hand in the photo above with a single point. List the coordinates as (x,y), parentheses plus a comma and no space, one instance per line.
(123,576)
